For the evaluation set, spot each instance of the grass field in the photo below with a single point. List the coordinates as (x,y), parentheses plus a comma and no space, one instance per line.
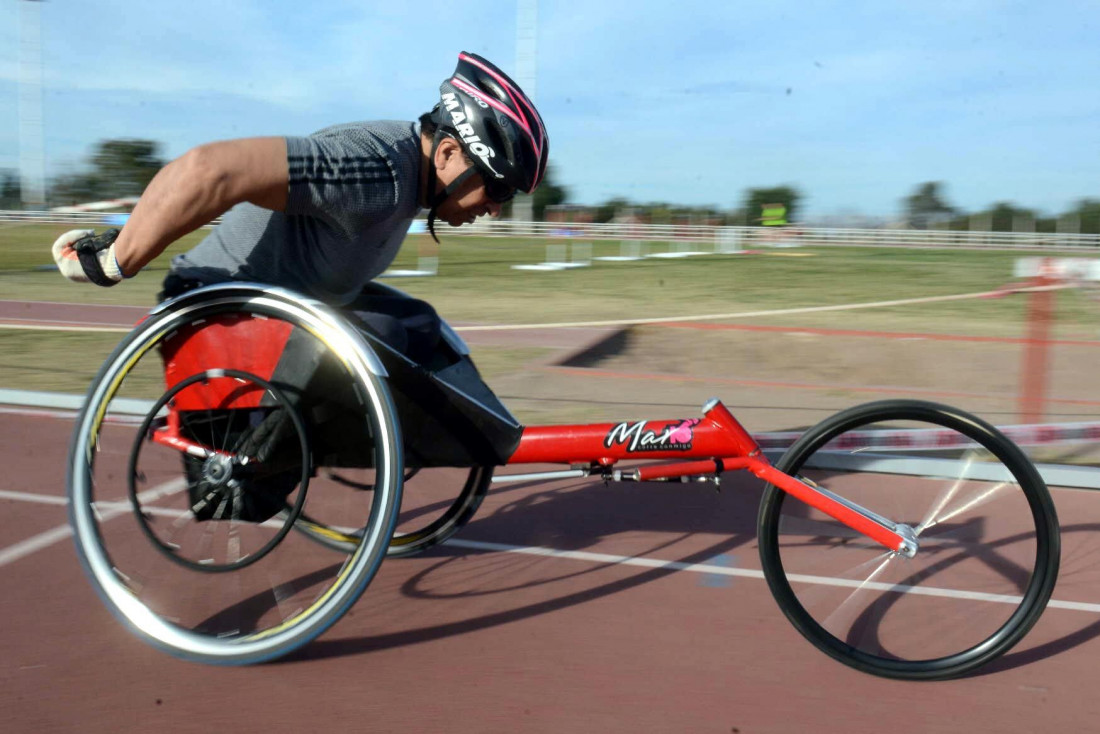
(476,284)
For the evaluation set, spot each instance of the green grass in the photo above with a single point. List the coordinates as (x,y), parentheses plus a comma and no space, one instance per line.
(476,284)
(57,361)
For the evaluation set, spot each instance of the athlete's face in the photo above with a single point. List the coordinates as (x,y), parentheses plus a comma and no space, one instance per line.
(471,200)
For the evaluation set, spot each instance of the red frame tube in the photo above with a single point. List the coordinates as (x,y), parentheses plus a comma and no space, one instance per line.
(717,441)
(852,518)
(716,434)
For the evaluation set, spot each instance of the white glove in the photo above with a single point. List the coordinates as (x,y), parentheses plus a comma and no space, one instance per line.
(83,257)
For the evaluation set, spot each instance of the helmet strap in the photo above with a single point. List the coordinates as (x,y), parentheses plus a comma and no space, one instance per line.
(446,192)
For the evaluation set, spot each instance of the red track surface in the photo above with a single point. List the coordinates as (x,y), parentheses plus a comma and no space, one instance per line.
(462,640)
(466,640)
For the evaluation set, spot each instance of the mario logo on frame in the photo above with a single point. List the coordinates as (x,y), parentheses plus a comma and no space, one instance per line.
(637,438)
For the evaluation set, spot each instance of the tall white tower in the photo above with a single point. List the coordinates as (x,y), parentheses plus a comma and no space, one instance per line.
(32,167)
(527,18)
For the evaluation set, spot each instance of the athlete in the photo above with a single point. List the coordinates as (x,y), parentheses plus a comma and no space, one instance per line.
(325,214)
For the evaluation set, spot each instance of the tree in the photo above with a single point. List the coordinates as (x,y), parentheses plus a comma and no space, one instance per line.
(119,168)
(607,211)
(925,206)
(1088,211)
(125,167)
(1001,217)
(549,193)
(756,199)
(11,190)
(75,188)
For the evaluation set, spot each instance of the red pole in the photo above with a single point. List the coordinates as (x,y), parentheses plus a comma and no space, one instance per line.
(1033,377)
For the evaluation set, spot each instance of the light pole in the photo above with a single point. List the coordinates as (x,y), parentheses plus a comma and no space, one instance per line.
(32,167)
(527,12)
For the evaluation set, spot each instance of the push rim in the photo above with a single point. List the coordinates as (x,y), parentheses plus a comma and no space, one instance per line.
(356,571)
(405,542)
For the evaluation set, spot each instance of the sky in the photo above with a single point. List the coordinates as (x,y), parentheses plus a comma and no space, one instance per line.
(690,102)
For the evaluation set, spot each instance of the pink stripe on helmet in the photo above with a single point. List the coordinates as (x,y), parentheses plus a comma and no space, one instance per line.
(474,91)
(509,88)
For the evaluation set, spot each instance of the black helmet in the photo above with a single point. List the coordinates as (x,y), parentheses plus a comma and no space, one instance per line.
(497,126)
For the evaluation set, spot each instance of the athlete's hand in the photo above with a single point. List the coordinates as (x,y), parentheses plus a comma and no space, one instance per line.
(84,257)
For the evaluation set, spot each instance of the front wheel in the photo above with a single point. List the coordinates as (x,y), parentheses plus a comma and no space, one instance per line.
(984,520)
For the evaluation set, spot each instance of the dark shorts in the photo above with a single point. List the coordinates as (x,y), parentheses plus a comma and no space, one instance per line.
(407,325)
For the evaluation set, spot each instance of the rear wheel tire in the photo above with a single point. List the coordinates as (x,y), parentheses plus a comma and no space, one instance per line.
(296,590)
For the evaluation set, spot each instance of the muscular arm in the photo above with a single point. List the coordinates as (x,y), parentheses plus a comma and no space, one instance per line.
(198,187)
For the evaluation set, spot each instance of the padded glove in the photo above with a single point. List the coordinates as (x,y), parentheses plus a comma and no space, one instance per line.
(85,257)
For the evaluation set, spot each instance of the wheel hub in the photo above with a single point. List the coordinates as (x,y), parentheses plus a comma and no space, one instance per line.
(217,470)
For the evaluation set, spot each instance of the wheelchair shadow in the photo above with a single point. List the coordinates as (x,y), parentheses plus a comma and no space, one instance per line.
(575,517)
(1075,569)
(643,507)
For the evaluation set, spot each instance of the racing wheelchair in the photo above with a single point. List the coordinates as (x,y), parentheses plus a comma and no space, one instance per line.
(246,458)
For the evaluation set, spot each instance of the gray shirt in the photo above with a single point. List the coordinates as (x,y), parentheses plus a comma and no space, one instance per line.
(353,194)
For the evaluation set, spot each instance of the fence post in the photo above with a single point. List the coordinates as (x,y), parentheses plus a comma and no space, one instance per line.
(1033,376)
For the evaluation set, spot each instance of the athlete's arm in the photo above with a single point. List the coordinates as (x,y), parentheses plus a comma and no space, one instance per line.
(198,187)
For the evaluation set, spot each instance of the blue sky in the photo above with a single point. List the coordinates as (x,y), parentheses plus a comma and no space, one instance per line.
(854,103)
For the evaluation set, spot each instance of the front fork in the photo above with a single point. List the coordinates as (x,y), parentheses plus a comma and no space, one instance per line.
(898,537)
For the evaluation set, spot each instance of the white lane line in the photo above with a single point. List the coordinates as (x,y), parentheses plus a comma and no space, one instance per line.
(609,559)
(16,320)
(113,509)
(605,558)
(753,314)
(45,499)
(107,511)
(662,320)
(45,327)
(31,545)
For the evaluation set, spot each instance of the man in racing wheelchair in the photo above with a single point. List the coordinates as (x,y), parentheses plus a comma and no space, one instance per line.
(325,214)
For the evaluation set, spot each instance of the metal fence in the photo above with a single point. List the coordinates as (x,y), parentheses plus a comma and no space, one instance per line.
(739,238)
(722,239)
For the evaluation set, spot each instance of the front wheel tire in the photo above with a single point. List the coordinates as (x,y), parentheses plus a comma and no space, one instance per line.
(984,519)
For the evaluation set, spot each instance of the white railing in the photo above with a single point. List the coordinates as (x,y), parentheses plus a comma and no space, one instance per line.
(89,218)
(736,238)
(719,238)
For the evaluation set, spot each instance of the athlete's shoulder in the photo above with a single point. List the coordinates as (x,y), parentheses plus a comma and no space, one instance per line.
(382,134)
(356,171)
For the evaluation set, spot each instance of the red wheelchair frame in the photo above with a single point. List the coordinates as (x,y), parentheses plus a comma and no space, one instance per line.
(717,442)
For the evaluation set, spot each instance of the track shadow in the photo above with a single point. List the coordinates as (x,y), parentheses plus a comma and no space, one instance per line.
(1019,658)
(575,517)
(579,515)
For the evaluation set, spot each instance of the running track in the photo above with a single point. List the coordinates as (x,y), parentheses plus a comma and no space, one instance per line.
(464,639)
(472,640)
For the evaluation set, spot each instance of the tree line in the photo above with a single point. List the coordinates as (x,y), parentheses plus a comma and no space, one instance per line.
(927,208)
(122,168)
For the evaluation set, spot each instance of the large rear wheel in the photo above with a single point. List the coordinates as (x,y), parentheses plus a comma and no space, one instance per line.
(176,496)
